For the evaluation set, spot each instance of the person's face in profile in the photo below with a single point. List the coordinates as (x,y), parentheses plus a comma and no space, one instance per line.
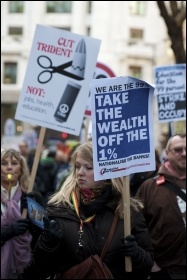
(85,174)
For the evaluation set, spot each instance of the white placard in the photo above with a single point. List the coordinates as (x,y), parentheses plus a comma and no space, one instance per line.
(170,87)
(56,84)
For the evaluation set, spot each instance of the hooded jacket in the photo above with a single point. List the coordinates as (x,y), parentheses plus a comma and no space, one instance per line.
(165,221)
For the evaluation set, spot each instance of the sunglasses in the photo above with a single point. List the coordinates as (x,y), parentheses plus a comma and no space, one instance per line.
(178,150)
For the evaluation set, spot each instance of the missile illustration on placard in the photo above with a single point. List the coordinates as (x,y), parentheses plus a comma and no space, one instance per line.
(79,60)
(72,89)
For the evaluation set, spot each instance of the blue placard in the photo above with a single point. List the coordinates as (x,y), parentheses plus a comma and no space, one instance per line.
(122,127)
(35,212)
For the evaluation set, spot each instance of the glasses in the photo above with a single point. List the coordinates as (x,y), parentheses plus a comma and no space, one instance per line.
(178,150)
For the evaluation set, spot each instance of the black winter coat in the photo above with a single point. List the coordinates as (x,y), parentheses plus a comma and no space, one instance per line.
(47,261)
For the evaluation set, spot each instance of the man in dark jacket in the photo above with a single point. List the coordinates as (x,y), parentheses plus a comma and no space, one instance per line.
(165,212)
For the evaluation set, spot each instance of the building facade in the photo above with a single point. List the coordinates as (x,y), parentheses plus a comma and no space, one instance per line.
(134,40)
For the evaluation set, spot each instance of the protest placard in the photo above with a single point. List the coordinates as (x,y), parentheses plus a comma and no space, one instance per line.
(170,87)
(56,85)
(122,133)
(122,127)
(35,212)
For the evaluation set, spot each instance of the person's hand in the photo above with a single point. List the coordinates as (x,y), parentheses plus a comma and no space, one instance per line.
(130,247)
(52,233)
(31,195)
(16,228)
(20,226)
(36,196)
(24,203)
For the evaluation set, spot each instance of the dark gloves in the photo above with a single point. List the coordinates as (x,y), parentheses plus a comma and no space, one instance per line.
(36,196)
(52,234)
(24,202)
(16,228)
(129,248)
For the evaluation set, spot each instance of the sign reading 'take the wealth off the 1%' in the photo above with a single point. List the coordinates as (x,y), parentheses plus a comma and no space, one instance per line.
(122,130)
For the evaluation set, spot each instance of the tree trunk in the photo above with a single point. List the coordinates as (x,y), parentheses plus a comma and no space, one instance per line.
(174,17)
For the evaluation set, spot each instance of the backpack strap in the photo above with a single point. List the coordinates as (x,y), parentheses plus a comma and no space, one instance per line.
(161,180)
(110,235)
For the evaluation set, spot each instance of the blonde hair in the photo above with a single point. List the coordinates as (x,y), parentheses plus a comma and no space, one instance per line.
(64,194)
(25,174)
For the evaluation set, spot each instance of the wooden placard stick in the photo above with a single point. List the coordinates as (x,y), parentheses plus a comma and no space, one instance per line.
(127,222)
(86,129)
(35,164)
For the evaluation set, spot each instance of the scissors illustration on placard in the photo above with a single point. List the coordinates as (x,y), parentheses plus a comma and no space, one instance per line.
(77,66)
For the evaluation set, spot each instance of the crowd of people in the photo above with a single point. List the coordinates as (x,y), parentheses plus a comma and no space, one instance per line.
(79,212)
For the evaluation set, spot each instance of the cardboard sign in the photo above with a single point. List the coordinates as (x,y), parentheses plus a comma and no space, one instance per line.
(122,127)
(57,80)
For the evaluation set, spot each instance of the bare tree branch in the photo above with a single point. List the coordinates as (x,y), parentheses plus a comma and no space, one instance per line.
(179,19)
(164,12)
(174,7)
(174,19)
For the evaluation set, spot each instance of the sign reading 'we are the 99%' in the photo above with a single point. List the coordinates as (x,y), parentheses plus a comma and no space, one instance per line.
(122,127)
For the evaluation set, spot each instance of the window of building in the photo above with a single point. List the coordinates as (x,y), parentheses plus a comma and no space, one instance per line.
(10,73)
(59,6)
(137,8)
(136,34)
(88,31)
(16,6)
(89,7)
(135,71)
(15,30)
(8,111)
(64,28)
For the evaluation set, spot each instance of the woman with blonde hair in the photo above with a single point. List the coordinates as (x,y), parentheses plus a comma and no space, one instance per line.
(78,221)
(15,236)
